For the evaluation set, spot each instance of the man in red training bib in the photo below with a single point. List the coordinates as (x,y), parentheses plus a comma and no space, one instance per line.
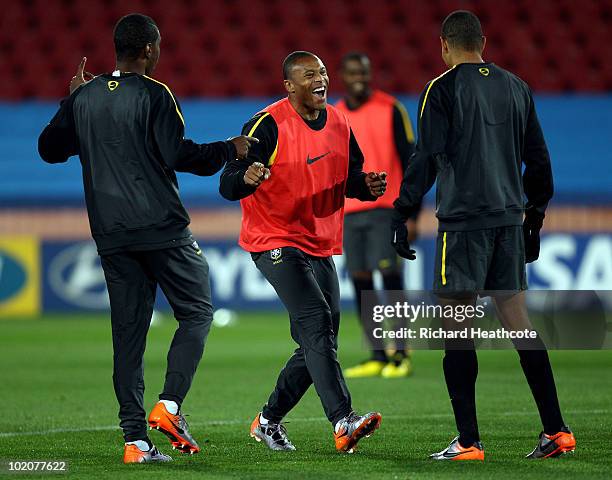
(382,127)
(291,188)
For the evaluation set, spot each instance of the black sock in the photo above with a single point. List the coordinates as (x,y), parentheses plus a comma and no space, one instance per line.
(539,374)
(360,285)
(460,371)
(393,281)
(399,356)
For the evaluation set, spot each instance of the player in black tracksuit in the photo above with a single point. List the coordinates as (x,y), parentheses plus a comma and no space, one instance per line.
(127,129)
(477,129)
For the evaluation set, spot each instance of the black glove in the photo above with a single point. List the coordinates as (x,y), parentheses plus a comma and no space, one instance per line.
(399,234)
(531,233)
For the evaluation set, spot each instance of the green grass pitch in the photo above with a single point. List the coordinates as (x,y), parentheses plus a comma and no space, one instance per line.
(58,403)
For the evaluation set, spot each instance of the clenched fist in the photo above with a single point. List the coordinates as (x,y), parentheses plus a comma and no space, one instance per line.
(377,183)
(242,144)
(256,174)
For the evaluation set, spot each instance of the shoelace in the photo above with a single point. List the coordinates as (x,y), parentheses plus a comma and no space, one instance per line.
(456,439)
(280,429)
(352,417)
(183,421)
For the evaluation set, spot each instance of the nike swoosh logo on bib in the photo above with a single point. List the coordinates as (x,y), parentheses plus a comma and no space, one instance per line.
(310,161)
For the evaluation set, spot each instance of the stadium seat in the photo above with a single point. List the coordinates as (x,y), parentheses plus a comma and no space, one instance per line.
(399,36)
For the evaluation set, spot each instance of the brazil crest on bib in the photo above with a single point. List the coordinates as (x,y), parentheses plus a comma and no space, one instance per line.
(302,203)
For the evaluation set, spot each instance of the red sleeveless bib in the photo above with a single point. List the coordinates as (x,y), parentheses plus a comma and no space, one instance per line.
(372,125)
(302,203)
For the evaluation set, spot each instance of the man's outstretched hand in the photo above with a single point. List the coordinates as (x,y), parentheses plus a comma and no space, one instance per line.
(376,183)
(243,144)
(256,174)
(400,235)
(81,76)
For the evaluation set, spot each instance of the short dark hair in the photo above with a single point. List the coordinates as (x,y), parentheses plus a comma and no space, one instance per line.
(291,60)
(132,34)
(461,29)
(357,56)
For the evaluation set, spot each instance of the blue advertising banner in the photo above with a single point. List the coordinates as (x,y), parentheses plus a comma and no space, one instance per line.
(575,126)
(73,278)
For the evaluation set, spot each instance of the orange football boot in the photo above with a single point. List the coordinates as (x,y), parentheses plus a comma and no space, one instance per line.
(274,435)
(174,427)
(455,451)
(355,427)
(550,446)
(133,454)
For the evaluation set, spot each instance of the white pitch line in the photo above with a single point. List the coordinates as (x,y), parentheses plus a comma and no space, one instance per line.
(292,420)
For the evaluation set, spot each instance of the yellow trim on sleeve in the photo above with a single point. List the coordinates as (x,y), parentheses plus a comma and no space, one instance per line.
(273,156)
(429,88)
(252,131)
(254,127)
(406,121)
(444,259)
(171,96)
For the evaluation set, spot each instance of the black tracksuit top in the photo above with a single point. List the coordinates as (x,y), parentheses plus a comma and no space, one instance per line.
(477,127)
(128,131)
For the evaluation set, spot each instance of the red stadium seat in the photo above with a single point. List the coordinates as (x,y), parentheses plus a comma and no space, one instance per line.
(223,40)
